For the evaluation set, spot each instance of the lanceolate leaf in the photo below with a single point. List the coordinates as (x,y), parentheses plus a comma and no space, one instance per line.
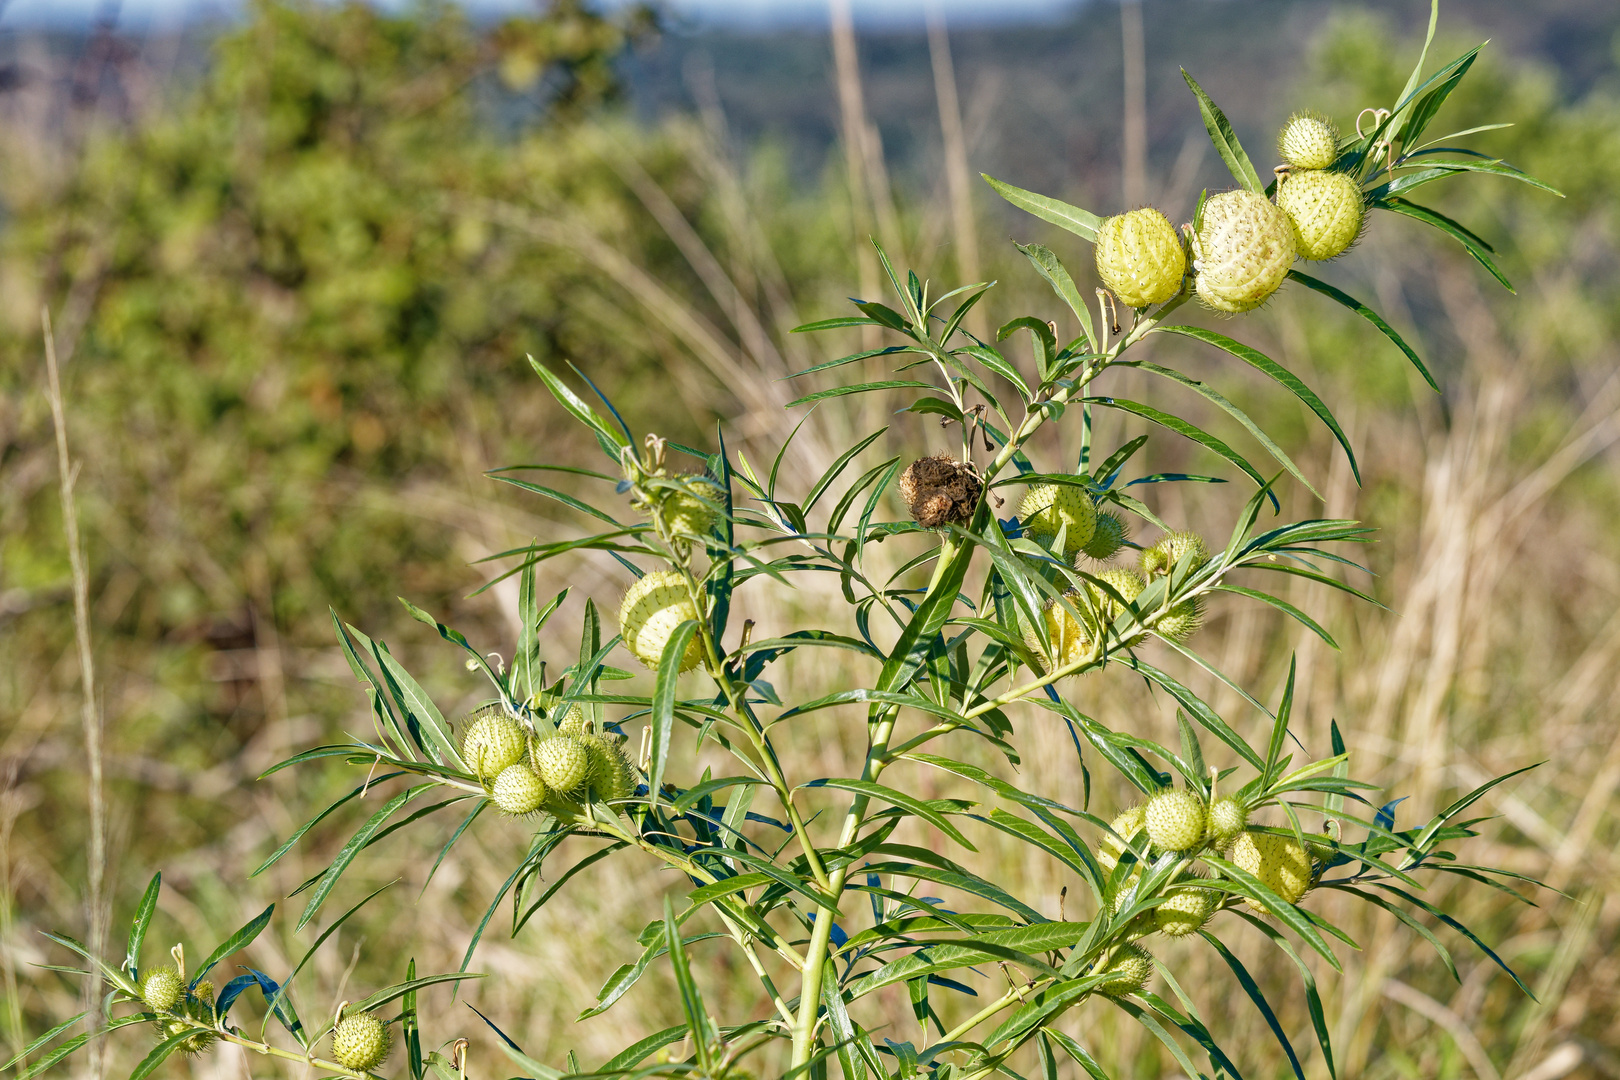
(137,929)
(1262,362)
(1190,431)
(236,942)
(1252,988)
(1370,315)
(1224,138)
(1477,247)
(663,705)
(1082,223)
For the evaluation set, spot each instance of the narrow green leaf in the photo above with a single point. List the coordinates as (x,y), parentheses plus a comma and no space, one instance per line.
(236,942)
(1082,223)
(909,803)
(1261,362)
(697,1017)
(29,1050)
(663,703)
(137,928)
(1252,988)
(1475,246)
(1341,297)
(1224,138)
(1219,400)
(329,879)
(398,990)
(1187,430)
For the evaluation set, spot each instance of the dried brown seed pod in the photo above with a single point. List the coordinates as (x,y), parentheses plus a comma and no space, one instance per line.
(941,491)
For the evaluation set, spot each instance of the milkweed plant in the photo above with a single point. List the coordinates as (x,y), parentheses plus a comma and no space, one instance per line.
(1235,829)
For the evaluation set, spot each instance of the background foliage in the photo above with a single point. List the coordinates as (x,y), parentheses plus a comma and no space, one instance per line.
(296,294)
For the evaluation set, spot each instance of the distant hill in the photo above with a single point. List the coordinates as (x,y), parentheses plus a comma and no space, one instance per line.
(1044,101)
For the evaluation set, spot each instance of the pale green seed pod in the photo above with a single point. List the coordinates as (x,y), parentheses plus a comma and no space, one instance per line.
(1140,257)
(1048,509)
(1182,621)
(1108,535)
(1123,580)
(1163,556)
(693,510)
(1242,251)
(1110,848)
(1308,141)
(573,723)
(518,791)
(562,763)
(361,1042)
(1281,864)
(611,774)
(1228,817)
(1327,211)
(1185,911)
(1068,639)
(494,742)
(651,611)
(1129,972)
(161,989)
(1175,820)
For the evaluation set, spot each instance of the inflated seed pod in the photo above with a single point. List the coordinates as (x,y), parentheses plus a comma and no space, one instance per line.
(1326,209)
(1242,250)
(1140,257)
(651,611)
(1049,509)
(1308,141)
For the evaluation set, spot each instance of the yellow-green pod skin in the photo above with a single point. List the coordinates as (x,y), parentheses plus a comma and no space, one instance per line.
(518,791)
(1280,862)
(1140,257)
(1242,251)
(1048,509)
(1308,142)
(652,610)
(1068,638)
(1327,211)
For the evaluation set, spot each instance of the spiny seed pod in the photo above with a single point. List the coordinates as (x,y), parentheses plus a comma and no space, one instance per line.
(1107,537)
(197,1042)
(573,723)
(1281,864)
(1049,509)
(1186,911)
(1140,257)
(518,791)
(161,989)
(1320,846)
(204,993)
(562,763)
(1123,580)
(1242,250)
(1067,639)
(941,491)
(1129,972)
(1163,556)
(1308,141)
(1110,848)
(361,1042)
(1228,817)
(1182,621)
(493,742)
(652,610)
(1175,820)
(693,510)
(1326,209)
(611,775)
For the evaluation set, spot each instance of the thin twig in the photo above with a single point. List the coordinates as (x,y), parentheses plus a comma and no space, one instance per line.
(96,855)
